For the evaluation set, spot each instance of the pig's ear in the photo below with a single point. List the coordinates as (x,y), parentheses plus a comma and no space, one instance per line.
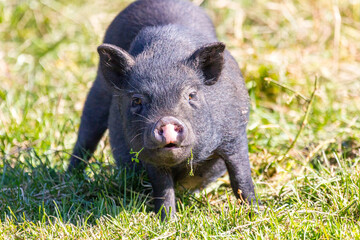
(210,60)
(114,64)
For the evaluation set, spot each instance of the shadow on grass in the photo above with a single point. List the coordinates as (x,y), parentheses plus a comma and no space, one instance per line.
(32,189)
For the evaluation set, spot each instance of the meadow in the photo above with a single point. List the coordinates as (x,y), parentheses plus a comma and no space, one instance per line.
(301,63)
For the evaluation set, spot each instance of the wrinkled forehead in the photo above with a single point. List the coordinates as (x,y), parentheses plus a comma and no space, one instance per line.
(154,78)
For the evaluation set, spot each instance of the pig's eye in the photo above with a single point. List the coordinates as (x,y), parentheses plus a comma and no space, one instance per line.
(136,102)
(193,96)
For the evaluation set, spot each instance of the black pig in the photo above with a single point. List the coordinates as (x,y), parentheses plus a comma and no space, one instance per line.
(167,88)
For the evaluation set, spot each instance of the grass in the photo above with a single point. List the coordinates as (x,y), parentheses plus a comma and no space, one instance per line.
(310,191)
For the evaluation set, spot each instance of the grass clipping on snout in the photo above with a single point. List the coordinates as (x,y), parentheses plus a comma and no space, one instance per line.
(135,155)
(190,163)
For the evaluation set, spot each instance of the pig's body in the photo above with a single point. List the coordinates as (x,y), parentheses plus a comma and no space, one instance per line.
(163,42)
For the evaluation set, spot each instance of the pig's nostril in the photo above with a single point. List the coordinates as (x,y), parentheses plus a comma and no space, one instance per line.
(179,129)
(161,132)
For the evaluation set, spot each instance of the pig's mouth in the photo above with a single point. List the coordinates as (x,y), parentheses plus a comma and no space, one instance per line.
(171,146)
(167,155)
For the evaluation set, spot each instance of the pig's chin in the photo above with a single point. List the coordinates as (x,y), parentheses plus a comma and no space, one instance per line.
(168,156)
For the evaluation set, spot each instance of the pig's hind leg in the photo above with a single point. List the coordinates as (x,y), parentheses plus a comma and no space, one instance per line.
(94,122)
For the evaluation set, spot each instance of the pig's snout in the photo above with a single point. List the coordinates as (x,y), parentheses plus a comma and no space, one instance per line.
(169,132)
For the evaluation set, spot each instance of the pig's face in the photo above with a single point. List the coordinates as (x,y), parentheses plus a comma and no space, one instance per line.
(163,108)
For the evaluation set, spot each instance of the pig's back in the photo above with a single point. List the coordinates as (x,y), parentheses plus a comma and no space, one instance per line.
(143,13)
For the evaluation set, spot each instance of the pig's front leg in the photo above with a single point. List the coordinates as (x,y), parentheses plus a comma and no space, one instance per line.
(236,157)
(163,190)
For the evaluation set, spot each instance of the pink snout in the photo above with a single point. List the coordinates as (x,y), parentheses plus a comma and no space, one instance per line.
(169,132)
